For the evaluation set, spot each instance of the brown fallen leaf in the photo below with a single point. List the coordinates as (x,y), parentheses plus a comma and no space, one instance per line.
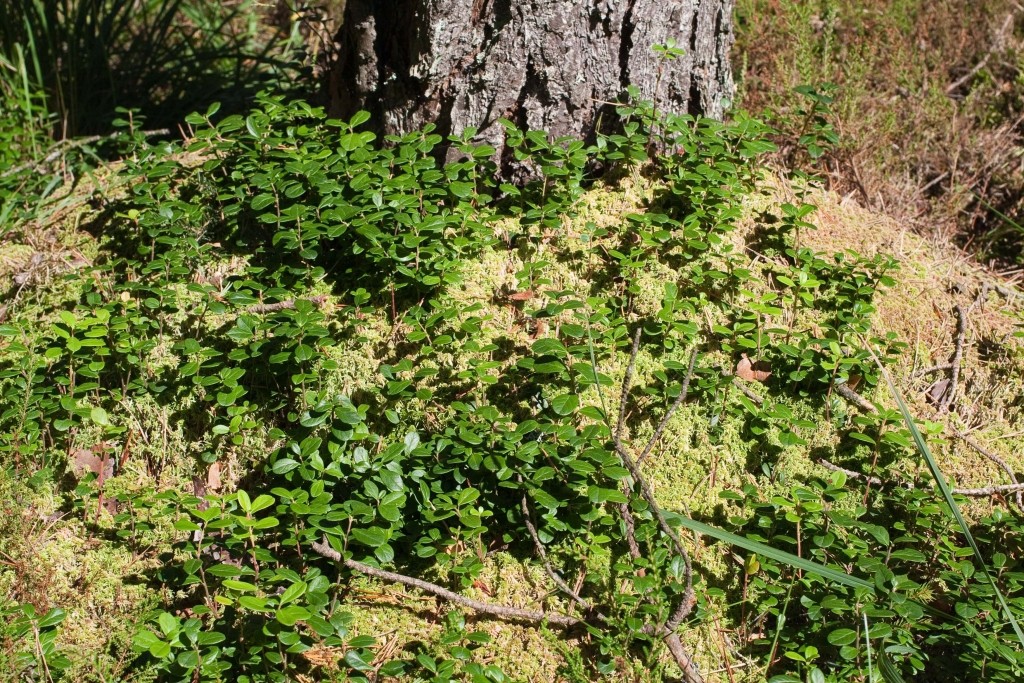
(199,487)
(937,392)
(323,655)
(757,371)
(85,460)
(213,477)
(210,483)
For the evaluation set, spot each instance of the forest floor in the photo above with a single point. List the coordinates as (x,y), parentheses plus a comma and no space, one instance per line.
(71,558)
(917,179)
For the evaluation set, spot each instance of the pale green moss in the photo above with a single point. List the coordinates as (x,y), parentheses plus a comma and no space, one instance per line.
(416,622)
(58,562)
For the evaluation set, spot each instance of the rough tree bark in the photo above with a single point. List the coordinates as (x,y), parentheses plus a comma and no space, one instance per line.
(544,64)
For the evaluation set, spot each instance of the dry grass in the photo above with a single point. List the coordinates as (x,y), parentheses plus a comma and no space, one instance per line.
(934,278)
(928,108)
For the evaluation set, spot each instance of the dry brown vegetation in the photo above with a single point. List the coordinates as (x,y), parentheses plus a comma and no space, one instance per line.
(929,107)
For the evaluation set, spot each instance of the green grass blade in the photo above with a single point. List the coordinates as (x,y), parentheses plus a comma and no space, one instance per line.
(817,568)
(947,494)
(867,642)
(782,556)
(1017,227)
(890,674)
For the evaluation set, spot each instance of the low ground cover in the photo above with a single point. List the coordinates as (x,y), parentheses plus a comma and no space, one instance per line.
(282,363)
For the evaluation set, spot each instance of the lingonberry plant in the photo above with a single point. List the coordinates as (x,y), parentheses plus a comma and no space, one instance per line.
(308,299)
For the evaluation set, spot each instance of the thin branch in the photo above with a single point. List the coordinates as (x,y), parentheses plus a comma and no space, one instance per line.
(62,147)
(626,382)
(689,374)
(998,43)
(980,299)
(976,493)
(691,674)
(865,405)
(934,181)
(747,391)
(958,352)
(686,604)
(558,580)
(991,490)
(954,368)
(285,305)
(874,481)
(969,440)
(502,611)
(934,368)
(853,397)
(951,88)
(1006,291)
(671,411)
(629,524)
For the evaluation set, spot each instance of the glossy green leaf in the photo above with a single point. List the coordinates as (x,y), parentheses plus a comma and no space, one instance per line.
(565,404)
(372,537)
(292,592)
(292,614)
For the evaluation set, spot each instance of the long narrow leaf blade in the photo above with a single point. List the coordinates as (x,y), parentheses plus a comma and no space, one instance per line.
(790,559)
(817,568)
(947,494)
(889,671)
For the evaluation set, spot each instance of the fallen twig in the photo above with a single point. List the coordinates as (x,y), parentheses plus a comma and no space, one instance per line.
(934,368)
(980,299)
(688,600)
(958,352)
(991,490)
(628,523)
(828,465)
(559,581)
(934,181)
(853,397)
(672,641)
(660,429)
(285,305)
(1006,291)
(683,660)
(627,380)
(62,147)
(969,440)
(630,527)
(976,492)
(669,630)
(747,391)
(502,611)
(1015,487)
(997,44)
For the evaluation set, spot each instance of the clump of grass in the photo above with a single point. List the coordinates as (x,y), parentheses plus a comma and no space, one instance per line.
(164,58)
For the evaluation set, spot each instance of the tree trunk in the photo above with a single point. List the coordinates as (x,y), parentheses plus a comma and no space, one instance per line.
(552,65)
